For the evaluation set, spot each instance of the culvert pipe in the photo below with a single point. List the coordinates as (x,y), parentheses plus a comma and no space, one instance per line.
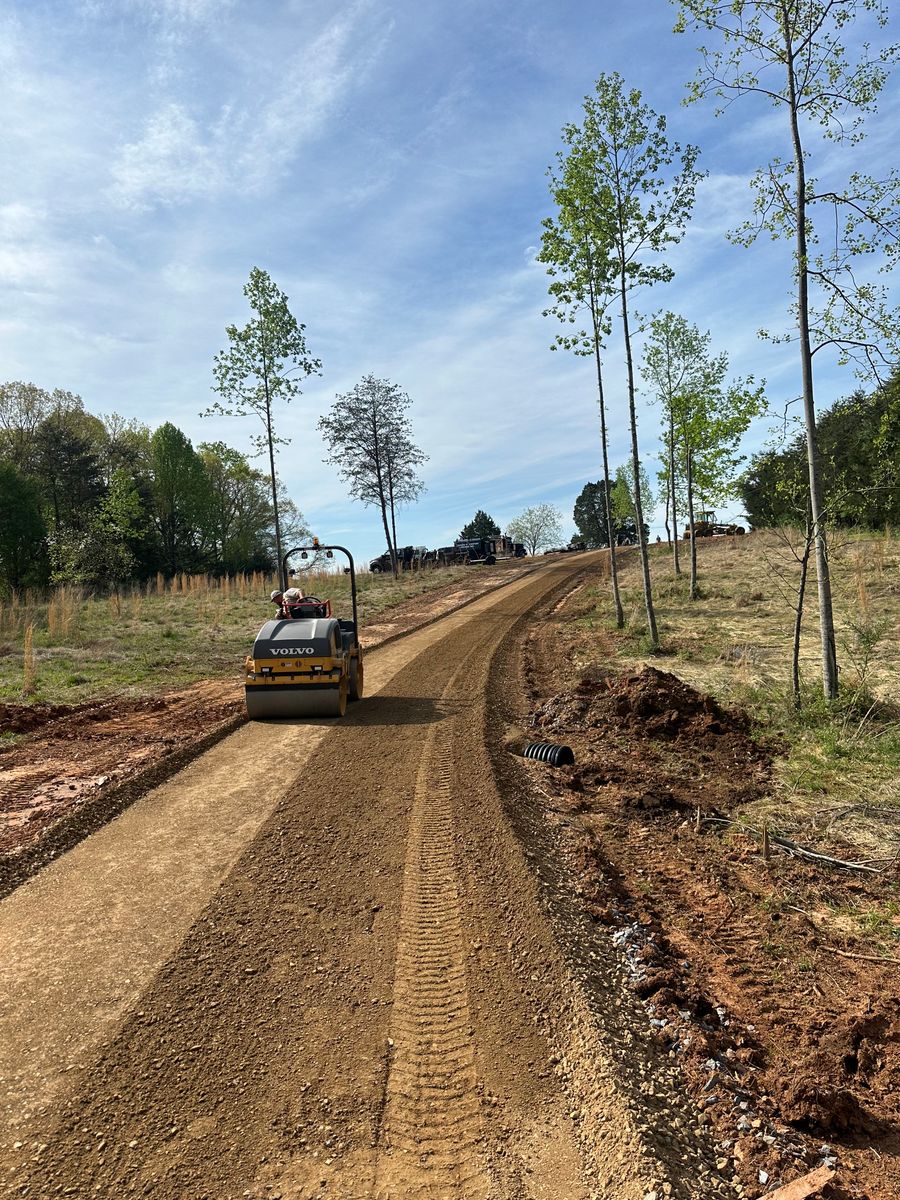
(547,752)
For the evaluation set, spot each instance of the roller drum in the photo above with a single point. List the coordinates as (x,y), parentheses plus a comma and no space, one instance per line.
(355,689)
(270,703)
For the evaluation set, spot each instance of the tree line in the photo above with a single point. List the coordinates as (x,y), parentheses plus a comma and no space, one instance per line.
(98,500)
(623,193)
(859,451)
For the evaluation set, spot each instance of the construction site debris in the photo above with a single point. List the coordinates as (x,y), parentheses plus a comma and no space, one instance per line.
(806,1187)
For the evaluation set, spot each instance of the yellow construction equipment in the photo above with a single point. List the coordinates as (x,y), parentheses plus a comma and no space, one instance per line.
(305,663)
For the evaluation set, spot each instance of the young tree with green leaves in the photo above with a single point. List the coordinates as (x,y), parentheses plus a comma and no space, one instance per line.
(540,525)
(704,418)
(793,53)
(369,439)
(264,365)
(709,426)
(674,358)
(640,186)
(481,526)
(578,253)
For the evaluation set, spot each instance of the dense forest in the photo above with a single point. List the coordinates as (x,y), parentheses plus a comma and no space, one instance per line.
(98,500)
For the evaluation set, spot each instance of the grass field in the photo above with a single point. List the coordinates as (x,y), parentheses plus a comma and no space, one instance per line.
(841,768)
(166,633)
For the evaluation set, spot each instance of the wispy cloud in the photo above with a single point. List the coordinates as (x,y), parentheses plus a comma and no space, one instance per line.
(180,158)
(384,160)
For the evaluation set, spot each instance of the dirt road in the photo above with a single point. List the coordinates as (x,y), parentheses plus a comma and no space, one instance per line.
(321,961)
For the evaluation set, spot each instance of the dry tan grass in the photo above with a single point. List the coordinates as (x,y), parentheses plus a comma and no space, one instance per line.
(165,631)
(741,628)
(28,672)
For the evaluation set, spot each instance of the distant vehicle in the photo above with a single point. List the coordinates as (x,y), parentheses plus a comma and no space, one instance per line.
(487,550)
(463,552)
(706,525)
(409,558)
(627,534)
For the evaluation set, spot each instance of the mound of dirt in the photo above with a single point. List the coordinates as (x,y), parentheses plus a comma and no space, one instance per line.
(23,718)
(655,704)
(693,753)
(648,704)
(856,1056)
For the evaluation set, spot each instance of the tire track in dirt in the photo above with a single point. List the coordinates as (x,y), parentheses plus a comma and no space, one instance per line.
(83,939)
(432,1121)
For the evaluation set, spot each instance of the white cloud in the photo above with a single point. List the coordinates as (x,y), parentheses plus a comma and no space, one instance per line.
(194,12)
(314,82)
(161,13)
(170,164)
(385,162)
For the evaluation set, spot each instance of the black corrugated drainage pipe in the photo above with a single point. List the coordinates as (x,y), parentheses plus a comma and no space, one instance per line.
(556,756)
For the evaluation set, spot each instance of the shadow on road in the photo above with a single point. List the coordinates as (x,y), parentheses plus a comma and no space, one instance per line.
(386,710)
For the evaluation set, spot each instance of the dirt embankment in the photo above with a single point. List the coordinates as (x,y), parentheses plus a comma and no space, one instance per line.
(691,752)
(790,1047)
(72,756)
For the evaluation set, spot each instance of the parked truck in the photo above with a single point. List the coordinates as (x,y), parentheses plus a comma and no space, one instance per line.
(486,551)
(464,552)
(409,558)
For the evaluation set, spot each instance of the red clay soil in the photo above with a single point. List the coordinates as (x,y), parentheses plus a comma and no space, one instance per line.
(692,753)
(791,1049)
(72,753)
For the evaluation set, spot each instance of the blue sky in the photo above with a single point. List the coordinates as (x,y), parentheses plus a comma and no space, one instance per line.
(386,163)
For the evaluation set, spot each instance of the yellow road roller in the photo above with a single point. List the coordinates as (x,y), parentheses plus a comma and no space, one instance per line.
(305,663)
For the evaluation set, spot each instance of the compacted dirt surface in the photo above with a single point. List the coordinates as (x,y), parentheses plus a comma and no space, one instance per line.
(76,766)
